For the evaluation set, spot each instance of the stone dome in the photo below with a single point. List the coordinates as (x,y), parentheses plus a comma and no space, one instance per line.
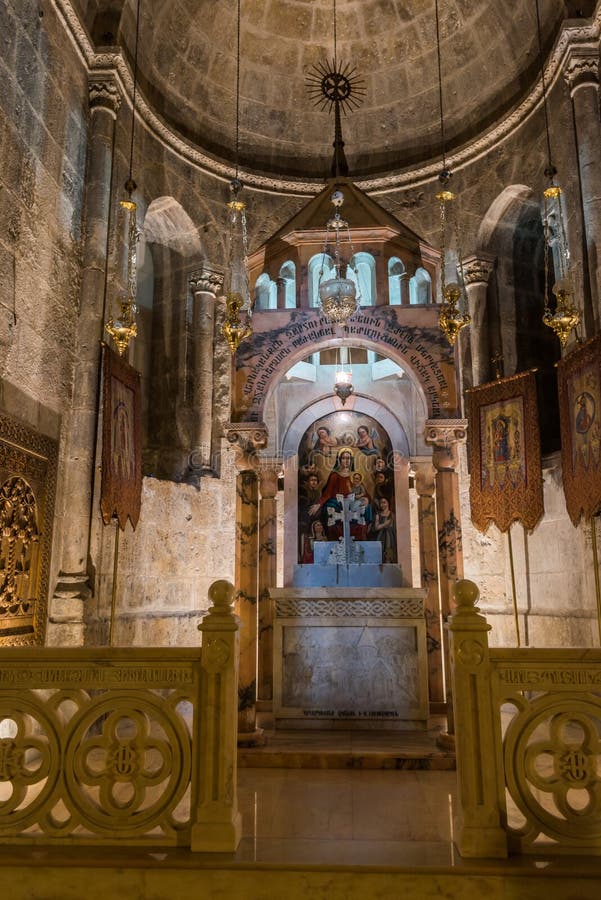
(187,64)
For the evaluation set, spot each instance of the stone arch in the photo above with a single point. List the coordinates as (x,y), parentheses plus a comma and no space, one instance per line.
(265,293)
(288,273)
(512,232)
(177,250)
(420,287)
(362,271)
(396,272)
(423,393)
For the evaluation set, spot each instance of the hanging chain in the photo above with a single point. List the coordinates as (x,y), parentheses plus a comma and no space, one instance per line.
(443,248)
(551,170)
(130,184)
(442,131)
(238,91)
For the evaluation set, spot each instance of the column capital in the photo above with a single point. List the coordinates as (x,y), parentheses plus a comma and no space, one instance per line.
(104,93)
(477,268)
(443,435)
(269,470)
(581,66)
(206,281)
(445,432)
(247,438)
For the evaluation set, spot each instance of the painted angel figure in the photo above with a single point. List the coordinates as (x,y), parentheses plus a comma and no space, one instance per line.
(366,439)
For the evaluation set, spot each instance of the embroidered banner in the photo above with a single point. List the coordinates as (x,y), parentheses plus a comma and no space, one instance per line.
(504,450)
(579,383)
(121,486)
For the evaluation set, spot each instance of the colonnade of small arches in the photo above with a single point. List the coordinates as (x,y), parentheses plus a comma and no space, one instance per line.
(403,289)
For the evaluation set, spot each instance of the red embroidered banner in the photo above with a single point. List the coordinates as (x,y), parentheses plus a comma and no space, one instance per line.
(579,383)
(504,450)
(121,485)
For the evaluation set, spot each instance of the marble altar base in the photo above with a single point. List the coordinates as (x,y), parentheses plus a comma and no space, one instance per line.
(352,575)
(350,658)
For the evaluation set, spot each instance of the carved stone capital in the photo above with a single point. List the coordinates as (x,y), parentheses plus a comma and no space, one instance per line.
(269,470)
(104,93)
(443,435)
(247,438)
(581,66)
(477,269)
(206,281)
(445,432)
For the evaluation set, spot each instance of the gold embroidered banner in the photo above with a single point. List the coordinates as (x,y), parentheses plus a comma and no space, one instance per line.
(579,383)
(504,449)
(121,486)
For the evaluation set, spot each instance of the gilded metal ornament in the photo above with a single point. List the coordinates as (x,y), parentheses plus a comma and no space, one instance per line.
(124,328)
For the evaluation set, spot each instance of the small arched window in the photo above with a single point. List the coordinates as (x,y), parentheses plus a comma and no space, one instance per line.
(420,288)
(364,276)
(265,293)
(288,273)
(396,272)
(316,263)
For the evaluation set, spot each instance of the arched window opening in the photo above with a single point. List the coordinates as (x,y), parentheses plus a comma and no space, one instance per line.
(288,273)
(315,266)
(420,288)
(265,293)
(364,276)
(396,272)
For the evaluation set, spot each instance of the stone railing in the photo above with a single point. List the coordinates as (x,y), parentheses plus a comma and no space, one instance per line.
(127,746)
(528,739)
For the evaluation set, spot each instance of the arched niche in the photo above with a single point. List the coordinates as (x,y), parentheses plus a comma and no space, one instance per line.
(512,232)
(420,288)
(265,293)
(176,250)
(396,273)
(288,274)
(373,410)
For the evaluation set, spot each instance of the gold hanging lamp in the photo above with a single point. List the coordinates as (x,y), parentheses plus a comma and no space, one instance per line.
(123,328)
(453,314)
(237,326)
(565,317)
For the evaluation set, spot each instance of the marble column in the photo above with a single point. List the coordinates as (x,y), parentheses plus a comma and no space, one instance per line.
(444,435)
(281,292)
(205,284)
(247,441)
(428,555)
(73,586)
(582,75)
(476,271)
(269,470)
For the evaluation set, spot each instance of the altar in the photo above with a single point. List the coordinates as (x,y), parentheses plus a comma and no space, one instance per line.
(350,658)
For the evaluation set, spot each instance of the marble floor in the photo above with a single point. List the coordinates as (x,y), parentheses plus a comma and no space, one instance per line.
(358,818)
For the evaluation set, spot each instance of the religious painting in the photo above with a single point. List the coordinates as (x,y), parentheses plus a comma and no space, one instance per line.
(27,487)
(121,487)
(346,455)
(504,450)
(579,383)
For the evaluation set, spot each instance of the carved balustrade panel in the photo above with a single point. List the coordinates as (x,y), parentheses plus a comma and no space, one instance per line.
(97,752)
(549,706)
(27,489)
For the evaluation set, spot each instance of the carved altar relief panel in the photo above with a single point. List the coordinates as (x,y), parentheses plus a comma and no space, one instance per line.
(27,488)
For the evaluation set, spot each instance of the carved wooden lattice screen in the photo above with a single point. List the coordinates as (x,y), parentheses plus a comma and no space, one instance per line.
(27,489)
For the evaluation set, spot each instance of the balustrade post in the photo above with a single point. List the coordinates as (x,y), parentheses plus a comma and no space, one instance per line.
(478,830)
(217,824)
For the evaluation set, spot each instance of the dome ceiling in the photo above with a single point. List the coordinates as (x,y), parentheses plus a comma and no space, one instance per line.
(187,69)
